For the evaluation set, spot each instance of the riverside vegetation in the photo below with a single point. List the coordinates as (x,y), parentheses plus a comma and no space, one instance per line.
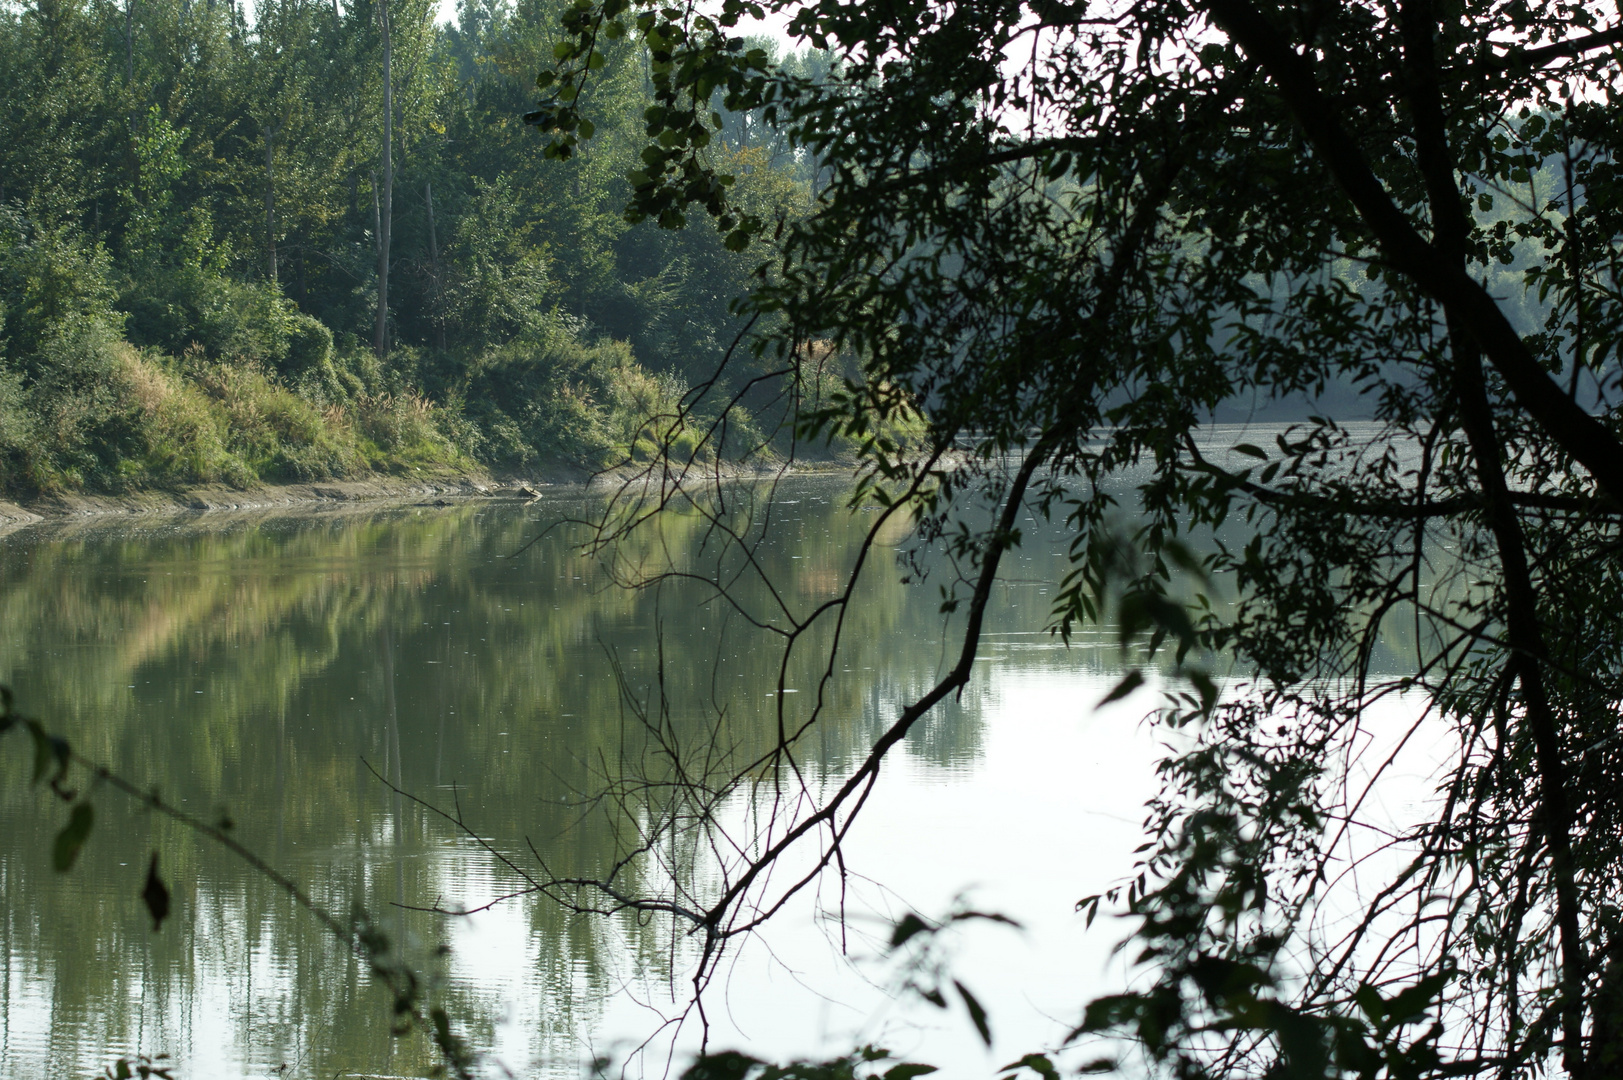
(224,259)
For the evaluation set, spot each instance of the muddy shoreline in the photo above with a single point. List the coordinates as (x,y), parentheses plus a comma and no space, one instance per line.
(78,506)
(376,490)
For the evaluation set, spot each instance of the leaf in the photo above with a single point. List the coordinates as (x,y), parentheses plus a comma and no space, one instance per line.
(1037,1063)
(47,748)
(977,1013)
(1411,1003)
(1132,681)
(909,925)
(907,1070)
(1203,683)
(42,751)
(727,1065)
(442,1025)
(1251,451)
(72,837)
(1112,1010)
(156,895)
(1369,1000)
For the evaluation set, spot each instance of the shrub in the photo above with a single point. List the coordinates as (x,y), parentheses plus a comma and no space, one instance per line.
(183,435)
(309,346)
(403,427)
(547,397)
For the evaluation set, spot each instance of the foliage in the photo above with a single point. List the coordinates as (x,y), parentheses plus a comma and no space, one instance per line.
(188,183)
(867,1063)
(55,761)
(1069,237)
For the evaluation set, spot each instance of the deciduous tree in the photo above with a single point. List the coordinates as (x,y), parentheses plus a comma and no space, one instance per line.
(1072,234)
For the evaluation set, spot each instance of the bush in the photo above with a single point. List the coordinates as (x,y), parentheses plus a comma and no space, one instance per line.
(309,346)
(173,308)
(549,396)
(403,428)
(183,435)
(52,284)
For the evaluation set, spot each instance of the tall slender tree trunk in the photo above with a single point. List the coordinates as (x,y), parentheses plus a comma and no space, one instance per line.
(434,264)
(380,340)
(270,205)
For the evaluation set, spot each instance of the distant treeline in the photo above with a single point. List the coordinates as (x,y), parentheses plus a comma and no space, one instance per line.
(197,218)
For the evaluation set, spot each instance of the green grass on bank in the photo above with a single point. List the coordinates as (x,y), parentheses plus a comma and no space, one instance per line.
(113,386)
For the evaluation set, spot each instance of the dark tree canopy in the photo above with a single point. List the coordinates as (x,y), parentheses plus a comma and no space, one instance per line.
(1067,235)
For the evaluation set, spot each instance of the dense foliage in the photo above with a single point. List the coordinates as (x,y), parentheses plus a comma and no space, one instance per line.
(1072,234)
(190,233)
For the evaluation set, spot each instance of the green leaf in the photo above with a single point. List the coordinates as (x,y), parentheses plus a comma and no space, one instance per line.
(42,750)
(72,837)
(1130,682)
(1204,685)
(906,927)
(1037,1063)
(1251,450)
(1412,1002)
(1369,1000)
(977,1013)
(156,895)
(727,1065)
(907,1070)
(442,1025)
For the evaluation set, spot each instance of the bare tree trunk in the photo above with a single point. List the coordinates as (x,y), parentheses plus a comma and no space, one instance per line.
(270,205)
(380,341)
(129,42)
(434,263)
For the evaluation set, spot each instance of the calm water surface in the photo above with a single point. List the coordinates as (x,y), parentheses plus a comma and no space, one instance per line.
(262,666)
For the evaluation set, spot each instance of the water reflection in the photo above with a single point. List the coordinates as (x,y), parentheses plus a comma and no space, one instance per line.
(263,665)
(276,666)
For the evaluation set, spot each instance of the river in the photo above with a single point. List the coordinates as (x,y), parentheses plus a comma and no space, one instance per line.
(269,667)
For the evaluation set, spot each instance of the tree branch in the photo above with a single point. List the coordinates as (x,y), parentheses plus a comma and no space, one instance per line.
(1527,59)
(1578,433)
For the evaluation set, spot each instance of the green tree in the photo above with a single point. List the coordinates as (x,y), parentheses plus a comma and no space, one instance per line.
(1070,236)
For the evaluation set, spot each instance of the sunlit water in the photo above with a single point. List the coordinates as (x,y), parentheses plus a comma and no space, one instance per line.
(265,666)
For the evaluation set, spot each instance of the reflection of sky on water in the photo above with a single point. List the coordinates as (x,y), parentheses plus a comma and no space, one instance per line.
(1020,799)
(1046,814)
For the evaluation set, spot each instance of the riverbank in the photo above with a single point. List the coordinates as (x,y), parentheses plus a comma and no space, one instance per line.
(439,489)
(374,489)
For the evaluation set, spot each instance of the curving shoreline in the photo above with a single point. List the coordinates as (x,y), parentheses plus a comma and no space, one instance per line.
(62,507)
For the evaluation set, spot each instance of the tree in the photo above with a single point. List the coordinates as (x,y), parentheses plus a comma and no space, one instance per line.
(385,219)
(1069,235)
